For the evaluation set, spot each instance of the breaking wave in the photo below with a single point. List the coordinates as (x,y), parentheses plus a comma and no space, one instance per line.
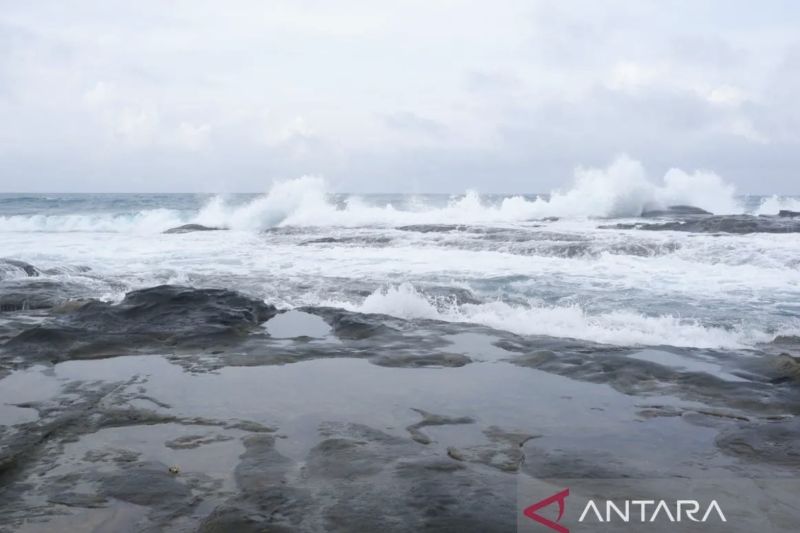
(623,328)
(774,204)
(620,190)
(146,221)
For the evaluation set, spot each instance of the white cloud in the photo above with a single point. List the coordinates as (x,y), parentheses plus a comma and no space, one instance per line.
(504,96)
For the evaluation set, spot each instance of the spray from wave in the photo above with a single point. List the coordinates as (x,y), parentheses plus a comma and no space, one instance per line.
(775,204)
(620,190)
(623,328)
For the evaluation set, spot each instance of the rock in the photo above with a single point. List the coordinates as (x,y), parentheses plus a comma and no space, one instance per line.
(189,228)
(36,293)
(454,453)
(229,519)
(789,214)
(770,442)
(430,419)
(675,210)
(13,266)
(433,228)
(422,360)
(146,485)
(166,317)
(739,224)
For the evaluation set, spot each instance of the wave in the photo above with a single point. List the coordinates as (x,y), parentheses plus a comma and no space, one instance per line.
(774,204)
(147,221)
(623,328)
(620,190)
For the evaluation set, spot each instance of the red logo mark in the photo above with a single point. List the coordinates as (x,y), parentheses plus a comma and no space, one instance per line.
(531,512)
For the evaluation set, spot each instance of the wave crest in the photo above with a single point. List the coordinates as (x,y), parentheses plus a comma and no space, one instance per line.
(620,190)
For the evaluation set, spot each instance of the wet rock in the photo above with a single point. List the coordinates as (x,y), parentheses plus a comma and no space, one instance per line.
(634,376)
(362,240)
(321,240)
(77,499)
(233,519)
(771,442)
(428,493)
(353,326)
(675,210)
(430,419)
(583,464)
(12,267)
(421,360)
(188,442)
(35,293)
(161,318)
(189,228)
(433,228)
(261,476)
(353,451)
(340,458)
(788,213)
(250,426)
(146,484)
(740,224)
(504,451)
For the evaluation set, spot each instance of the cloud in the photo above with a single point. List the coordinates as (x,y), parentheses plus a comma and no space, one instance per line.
(383,96)
(408,122)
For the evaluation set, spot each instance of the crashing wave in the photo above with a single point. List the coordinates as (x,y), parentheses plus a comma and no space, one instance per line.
(620,190)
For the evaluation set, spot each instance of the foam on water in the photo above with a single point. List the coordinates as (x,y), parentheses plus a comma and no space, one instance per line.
(621,327)
(560,278)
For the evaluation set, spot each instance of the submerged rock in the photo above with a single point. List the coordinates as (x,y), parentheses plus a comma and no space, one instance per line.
(167,316)
(189,228)
(431,419)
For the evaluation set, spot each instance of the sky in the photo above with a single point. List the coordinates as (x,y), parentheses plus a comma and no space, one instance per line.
(412,96)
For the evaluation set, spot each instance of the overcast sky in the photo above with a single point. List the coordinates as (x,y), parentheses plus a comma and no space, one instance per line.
(411,96)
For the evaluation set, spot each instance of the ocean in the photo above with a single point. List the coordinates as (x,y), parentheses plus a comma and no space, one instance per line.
(293,351)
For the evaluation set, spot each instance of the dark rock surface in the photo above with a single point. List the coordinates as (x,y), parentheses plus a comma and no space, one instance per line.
(675,210)
(10,267)
(740,224)
(433,228)
(436,437)
(190,228)
(165,317)
(37,293)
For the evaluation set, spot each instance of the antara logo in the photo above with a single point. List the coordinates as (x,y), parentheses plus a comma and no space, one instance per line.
(625,511)
(560,498)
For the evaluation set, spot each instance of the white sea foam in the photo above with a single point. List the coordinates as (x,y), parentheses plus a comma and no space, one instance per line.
(620,190)
(147,221)
(626,328)
(774,204)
